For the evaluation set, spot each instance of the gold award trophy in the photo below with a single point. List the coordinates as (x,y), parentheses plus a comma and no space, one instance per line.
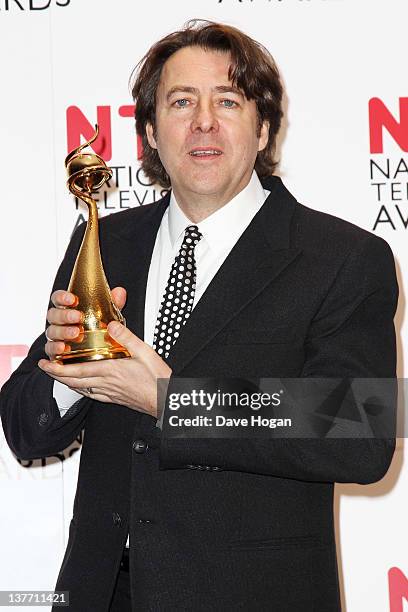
(87,172)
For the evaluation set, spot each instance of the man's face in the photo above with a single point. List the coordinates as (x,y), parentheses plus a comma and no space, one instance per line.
(207,132)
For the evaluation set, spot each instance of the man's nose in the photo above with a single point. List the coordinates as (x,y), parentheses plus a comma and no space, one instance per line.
(204,118)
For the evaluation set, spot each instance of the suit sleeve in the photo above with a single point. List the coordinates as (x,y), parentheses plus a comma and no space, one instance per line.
(351,336)
(32,423)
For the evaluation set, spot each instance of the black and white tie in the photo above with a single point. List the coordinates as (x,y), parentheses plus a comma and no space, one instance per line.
(178,298)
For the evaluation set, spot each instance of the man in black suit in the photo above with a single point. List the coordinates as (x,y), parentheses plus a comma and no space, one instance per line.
(279,290)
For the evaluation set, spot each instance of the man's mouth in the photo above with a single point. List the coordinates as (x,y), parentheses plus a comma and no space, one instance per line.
(205,152)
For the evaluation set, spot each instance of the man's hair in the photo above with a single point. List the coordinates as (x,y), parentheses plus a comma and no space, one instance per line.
(252,69)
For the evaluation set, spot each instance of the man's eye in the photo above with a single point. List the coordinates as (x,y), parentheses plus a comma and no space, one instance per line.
(181,103)
(229,103)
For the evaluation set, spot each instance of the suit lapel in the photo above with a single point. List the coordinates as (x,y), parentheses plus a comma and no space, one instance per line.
(260,255)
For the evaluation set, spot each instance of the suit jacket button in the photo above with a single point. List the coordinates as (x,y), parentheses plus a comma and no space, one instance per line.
(42,419)
(116,519)
(140,446)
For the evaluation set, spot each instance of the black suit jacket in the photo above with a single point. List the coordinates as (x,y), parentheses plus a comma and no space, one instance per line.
(302,293)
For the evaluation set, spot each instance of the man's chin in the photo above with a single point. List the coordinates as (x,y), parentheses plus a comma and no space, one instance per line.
(205,184)
(201,191)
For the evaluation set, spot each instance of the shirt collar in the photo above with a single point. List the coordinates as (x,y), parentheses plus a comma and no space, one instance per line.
(223,227)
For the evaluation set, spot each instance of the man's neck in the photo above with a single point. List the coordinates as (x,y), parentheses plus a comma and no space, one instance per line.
(197,206)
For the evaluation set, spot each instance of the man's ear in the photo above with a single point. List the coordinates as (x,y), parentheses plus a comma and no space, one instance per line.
(263,136)
(150,136)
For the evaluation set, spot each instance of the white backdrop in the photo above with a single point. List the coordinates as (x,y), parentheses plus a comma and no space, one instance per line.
(64,61)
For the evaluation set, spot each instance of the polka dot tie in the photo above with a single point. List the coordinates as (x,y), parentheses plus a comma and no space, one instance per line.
(178,298)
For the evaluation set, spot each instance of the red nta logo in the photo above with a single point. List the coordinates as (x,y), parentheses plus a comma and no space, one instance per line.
(398,589)
(7,353)
(380,117)
(79,125)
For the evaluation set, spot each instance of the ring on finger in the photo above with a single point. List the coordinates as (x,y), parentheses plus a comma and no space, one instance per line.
(47,336)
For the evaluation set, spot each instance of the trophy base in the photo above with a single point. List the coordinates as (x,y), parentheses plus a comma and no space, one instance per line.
(92,355)
(95,345)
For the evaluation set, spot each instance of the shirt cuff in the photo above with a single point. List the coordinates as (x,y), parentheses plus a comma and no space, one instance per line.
(64,396)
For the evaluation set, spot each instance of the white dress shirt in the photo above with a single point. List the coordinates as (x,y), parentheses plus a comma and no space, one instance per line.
(220,232)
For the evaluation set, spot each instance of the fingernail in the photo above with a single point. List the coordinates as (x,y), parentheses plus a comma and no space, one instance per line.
(114,327)
(73,316)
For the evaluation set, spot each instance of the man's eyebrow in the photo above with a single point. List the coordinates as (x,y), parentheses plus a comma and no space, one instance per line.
(229,89)
(194,90)
(181,89)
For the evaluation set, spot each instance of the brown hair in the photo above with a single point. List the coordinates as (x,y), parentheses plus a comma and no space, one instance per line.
(252,69)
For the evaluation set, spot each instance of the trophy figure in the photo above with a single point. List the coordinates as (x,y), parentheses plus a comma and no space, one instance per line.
(87,172)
